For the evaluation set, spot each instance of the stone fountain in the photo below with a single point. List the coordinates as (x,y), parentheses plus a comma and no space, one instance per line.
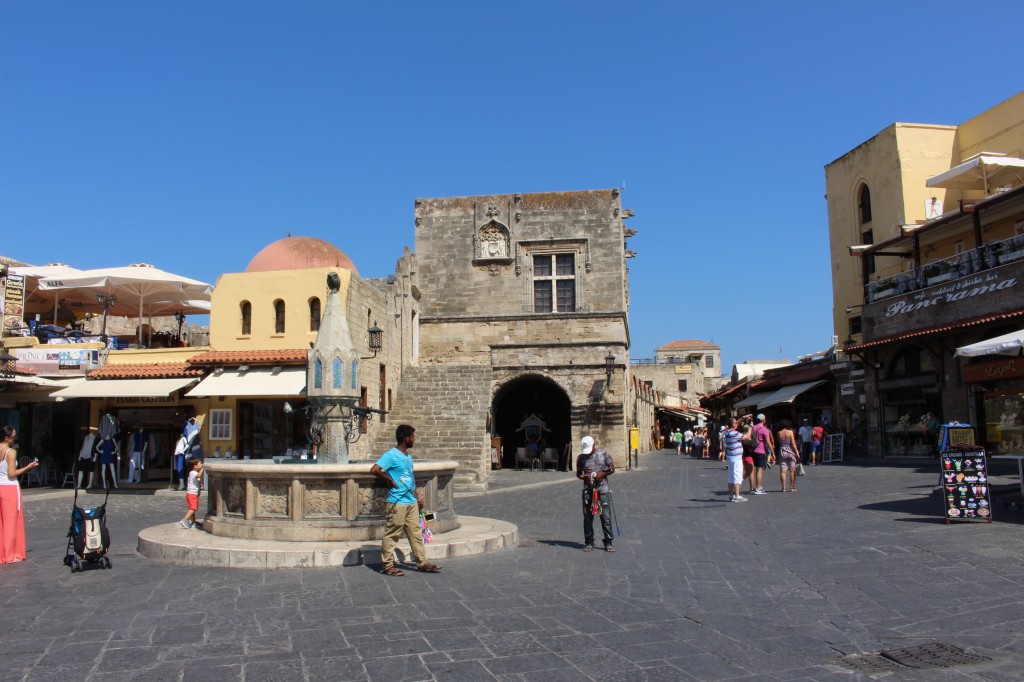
(330,499)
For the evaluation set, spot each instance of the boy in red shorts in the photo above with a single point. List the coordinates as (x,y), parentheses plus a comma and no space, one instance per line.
(195,483)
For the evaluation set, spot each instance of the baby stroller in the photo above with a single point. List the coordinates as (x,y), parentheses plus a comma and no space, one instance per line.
(88,533)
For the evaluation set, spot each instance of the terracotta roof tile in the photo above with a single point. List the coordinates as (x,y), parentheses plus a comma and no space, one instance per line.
(286,356)
(688,343)
(137,370)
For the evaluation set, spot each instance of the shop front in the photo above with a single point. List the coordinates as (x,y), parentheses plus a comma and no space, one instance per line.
(997,391)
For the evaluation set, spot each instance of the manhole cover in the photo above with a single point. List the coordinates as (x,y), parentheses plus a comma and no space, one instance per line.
(869,664)
(935,655)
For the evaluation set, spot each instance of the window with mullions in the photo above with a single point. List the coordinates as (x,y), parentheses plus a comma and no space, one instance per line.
(554,283)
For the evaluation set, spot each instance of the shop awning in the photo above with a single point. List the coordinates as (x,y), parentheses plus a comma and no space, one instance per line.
(753,399)
(124,388)
(1007,344)
(787,394)
(264,381)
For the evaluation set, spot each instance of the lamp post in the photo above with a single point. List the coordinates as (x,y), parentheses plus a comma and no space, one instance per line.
(181,320)
(106,302)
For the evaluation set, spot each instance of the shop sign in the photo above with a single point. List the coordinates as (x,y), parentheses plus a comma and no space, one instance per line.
(147,400)
(846,389)
(14,302)
(1011,368)
(980,285)
(684,369)
(67,360)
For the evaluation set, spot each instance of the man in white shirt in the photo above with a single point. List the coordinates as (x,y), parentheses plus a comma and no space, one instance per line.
(806,434)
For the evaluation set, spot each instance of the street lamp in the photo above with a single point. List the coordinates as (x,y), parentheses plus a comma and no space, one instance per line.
(106,302)
(181,320)
(7,362)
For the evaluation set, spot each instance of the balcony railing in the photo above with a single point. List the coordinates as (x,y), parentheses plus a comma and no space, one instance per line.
(939,272)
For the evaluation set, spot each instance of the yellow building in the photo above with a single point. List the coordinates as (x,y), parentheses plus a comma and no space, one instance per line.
(925,225)
(247,388)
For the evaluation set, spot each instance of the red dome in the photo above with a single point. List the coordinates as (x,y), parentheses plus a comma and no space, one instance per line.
(300,253)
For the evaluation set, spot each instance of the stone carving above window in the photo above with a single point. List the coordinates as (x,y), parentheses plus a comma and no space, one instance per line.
(493,241)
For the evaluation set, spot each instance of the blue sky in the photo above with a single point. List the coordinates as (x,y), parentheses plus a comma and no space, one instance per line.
(191,134)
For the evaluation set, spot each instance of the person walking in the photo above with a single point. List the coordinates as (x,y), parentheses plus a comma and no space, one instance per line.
(700,444)
(404,502)
(806,438)
(732,449)
(12,517)
(677,438)
(789,456)
(593,467)
(817,442)
(761,442)
(688,441)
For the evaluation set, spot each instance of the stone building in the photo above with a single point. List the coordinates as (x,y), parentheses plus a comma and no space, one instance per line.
(523,311)
(682,371)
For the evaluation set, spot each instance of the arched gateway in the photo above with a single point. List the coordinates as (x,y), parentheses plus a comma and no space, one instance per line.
(520,398)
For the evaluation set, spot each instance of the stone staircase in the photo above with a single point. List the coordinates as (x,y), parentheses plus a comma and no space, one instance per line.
(448,406)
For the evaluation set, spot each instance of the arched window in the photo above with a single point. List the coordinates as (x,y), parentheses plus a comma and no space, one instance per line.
(336,373)
(314,314)
(864,203)
(318,374)
(246,309)
(279,316)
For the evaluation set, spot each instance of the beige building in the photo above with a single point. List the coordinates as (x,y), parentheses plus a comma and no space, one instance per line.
(682,371)
(925,225)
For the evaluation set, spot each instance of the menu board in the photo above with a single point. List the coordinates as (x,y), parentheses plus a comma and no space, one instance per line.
(14,302)
(966,493)
(833,449)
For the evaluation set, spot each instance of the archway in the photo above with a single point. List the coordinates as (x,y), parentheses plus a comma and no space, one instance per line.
(525,396)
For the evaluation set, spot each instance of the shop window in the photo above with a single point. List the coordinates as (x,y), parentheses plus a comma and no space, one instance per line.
(246,317)
(314,314)
(554,283)
(279,316)
(220,425)
(864,205)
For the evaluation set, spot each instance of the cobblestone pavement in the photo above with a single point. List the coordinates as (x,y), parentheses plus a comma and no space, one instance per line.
(784,586)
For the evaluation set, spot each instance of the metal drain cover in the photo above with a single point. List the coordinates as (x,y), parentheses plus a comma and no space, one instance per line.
(935,655)
(869,664)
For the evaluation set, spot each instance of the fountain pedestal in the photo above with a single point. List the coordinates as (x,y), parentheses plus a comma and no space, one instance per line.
(262,500)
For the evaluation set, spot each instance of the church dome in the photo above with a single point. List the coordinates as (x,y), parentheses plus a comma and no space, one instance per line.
(300,253)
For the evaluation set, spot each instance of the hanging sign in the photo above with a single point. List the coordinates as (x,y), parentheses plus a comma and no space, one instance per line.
(966,493)
(14,302)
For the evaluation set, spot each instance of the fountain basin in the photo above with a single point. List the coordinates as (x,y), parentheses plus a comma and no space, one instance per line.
(263,500)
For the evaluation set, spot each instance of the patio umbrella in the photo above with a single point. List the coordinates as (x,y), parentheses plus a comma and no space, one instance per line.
(135,285)
(40,301)
(1007,344)
(982,172)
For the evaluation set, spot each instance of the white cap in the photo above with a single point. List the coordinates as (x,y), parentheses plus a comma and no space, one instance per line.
(587,446)
(760,417)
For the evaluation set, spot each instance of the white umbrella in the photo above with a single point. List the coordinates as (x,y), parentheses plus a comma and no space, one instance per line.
(134,285)
(1007,344)
(40,301)
(981,172)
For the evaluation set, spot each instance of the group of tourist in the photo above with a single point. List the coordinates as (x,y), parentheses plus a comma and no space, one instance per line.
(748,447)
(694,443)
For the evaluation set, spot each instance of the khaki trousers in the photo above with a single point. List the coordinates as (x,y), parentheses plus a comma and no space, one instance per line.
(402,519)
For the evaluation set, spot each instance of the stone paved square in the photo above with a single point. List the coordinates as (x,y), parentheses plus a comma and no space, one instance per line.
(780,587)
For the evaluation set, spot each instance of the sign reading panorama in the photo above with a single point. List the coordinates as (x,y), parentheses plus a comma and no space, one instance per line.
(994,291)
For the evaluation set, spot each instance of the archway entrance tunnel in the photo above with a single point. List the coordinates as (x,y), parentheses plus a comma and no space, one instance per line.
(519,399)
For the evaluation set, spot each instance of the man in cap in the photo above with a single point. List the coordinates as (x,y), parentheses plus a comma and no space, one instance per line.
(762,446)
(593,467)
(806,434)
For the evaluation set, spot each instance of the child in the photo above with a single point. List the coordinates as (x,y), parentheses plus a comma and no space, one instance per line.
(195,483)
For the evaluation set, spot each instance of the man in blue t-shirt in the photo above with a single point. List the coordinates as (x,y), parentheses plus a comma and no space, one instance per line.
(404,503)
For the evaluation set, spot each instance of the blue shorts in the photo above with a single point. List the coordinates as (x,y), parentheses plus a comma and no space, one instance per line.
(816,446)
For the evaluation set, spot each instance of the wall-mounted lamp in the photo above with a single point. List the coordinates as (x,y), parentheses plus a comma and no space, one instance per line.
(609,367)
(376,341)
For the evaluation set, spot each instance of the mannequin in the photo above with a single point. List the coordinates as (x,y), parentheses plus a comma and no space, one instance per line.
(109,448)
(85,457)
(138,443)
